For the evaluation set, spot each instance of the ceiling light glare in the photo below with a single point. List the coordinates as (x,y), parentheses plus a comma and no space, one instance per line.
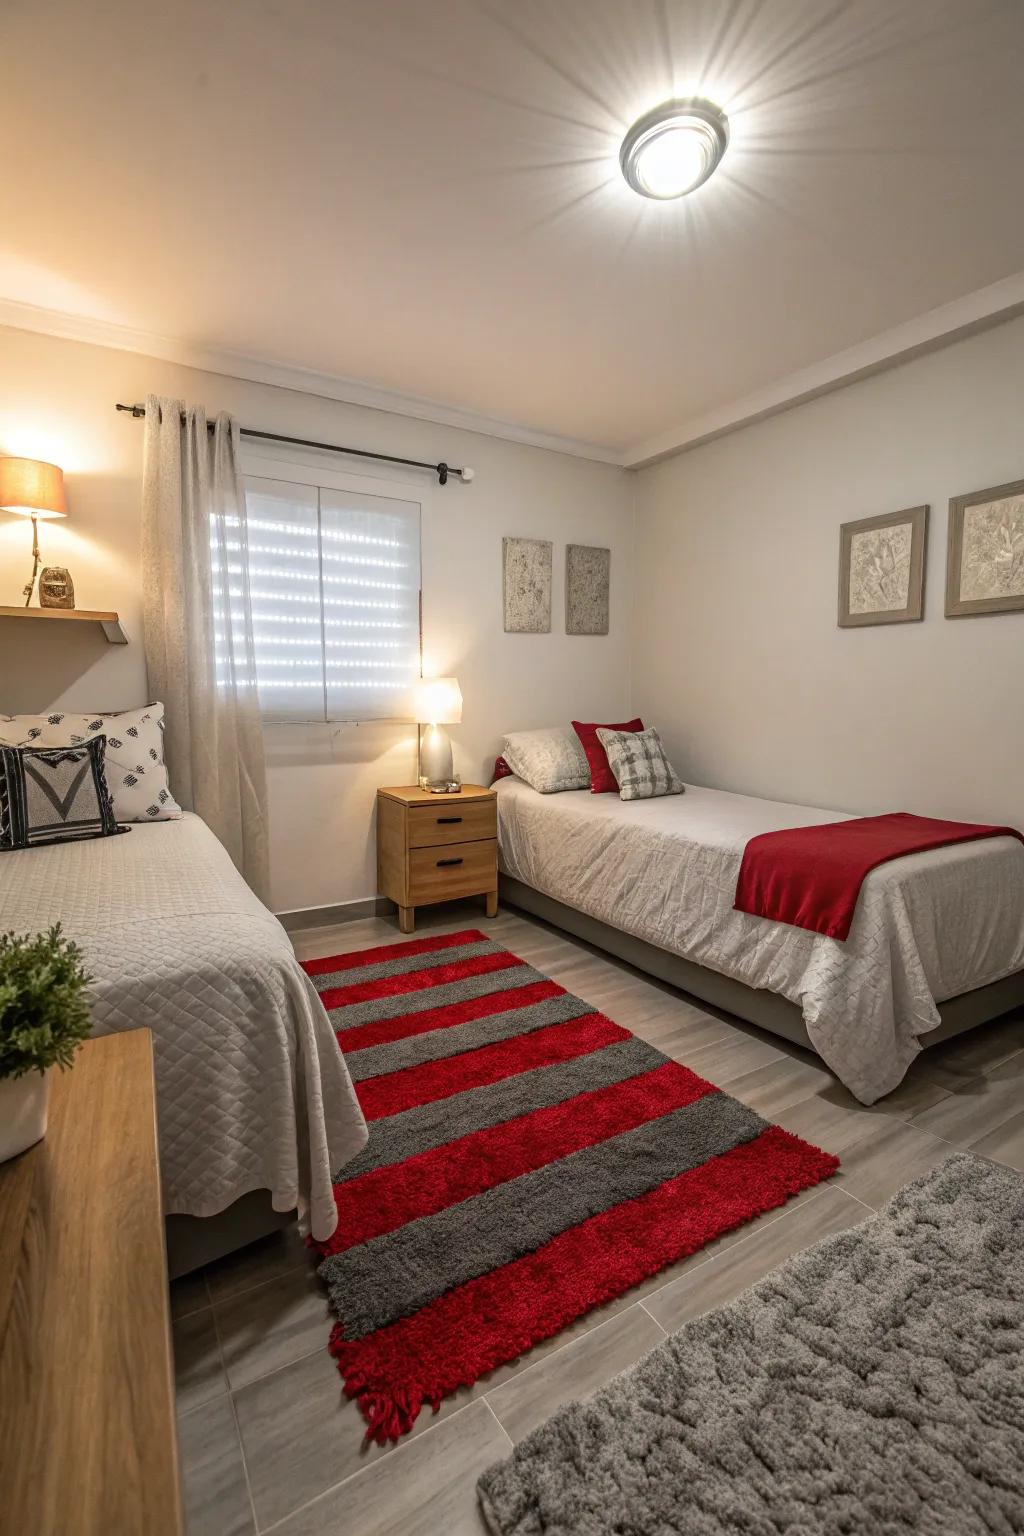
(675,148)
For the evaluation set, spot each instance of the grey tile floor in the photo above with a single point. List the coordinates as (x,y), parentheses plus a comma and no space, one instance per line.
(268,1441)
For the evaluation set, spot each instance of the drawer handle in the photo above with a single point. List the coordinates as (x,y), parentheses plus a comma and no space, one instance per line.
(446,863)
(448,821)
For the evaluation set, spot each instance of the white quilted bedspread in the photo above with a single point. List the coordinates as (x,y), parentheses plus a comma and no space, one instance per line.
(252,1091)
(927,927)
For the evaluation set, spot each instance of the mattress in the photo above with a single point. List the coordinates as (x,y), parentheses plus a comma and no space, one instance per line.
(927,927)
(252,1090)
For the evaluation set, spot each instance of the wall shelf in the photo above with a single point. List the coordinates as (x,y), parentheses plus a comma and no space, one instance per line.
(109,622)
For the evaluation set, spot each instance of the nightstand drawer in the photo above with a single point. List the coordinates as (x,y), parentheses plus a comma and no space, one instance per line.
(452,822)
(452,869)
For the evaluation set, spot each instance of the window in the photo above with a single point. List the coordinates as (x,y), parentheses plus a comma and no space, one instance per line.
(333,575)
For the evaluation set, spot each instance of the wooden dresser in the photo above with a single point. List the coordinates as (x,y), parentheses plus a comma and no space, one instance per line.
(436,847)
(88,1445)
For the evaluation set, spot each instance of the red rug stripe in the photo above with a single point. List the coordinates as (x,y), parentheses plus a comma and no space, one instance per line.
(386,1198)
(385,952)
(389,1095)
(384,1031)
(498,1317)
(416,981)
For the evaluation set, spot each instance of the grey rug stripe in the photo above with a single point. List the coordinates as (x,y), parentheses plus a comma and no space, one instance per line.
(871,1385)
(455,1039)
(396,1137)
(403,965)
(396,1274)
(347,1015)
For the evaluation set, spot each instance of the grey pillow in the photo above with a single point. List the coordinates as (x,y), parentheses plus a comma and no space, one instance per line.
(638,761)
(549,761)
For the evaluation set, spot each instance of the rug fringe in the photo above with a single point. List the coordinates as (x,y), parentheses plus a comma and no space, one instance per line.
(389,1411)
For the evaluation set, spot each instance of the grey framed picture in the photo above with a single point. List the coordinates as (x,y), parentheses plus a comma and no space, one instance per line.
(526,576)
(881,569)
(587,584)
(985,552)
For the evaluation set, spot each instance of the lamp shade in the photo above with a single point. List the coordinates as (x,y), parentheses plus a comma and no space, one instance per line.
(438,701)
(32,488)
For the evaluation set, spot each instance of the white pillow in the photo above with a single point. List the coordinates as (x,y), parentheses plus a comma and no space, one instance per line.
(549,761)
(136,775)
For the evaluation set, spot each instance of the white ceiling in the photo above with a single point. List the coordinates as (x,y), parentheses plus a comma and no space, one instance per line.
(424,194)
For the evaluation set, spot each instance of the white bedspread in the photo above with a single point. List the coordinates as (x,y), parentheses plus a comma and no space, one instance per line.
(252,1091)
(927,927)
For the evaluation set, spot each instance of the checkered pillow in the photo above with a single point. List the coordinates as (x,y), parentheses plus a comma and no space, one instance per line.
(638,761)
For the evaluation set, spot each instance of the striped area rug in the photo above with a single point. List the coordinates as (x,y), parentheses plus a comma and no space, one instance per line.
(528,1160)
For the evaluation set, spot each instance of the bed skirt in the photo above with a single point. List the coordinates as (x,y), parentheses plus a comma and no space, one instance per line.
(768,1010)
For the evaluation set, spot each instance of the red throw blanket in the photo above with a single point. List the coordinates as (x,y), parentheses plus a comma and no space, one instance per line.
(811,877)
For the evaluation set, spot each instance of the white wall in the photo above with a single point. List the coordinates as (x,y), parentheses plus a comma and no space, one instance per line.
(57,403)
(737,655)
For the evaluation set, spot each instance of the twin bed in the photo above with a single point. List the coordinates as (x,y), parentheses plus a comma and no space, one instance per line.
(255,1108)
(937,943)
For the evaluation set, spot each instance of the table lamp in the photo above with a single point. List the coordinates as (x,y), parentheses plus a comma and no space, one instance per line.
(438,703)
(34,490)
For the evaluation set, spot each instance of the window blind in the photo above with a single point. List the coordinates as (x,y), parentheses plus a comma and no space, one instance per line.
(334,592)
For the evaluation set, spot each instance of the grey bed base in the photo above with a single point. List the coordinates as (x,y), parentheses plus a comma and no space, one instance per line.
(754,1004)
(193,1241)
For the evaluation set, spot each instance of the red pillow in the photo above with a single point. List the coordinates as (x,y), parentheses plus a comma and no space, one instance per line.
(602,780)
(501,770)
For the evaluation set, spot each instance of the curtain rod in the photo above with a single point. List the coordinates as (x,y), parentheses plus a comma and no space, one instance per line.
(441,470)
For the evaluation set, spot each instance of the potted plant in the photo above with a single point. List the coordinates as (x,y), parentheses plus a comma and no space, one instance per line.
(44,1017)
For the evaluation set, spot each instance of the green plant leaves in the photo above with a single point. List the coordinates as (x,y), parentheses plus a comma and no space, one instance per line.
(44,1014)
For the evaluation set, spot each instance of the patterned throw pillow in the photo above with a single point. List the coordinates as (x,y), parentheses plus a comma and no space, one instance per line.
(638,761)
(135,753)
(54,795)
(549,761)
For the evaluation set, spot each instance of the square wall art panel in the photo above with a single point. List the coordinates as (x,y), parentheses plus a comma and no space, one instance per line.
(587,582)
(526,566)
(881,569)
(985,558)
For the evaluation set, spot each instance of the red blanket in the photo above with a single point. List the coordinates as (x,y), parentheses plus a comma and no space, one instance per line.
(811,877)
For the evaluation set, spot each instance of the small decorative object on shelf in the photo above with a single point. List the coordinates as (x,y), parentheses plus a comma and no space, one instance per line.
(44,1016)
(56,589)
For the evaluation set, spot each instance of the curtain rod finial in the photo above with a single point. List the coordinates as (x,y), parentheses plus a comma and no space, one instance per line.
(466,475)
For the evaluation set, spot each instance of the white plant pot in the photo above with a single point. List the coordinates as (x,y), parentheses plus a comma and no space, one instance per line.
(23,1104)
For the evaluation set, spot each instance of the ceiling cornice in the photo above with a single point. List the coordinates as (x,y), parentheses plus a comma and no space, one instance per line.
(239,365)
(926,333)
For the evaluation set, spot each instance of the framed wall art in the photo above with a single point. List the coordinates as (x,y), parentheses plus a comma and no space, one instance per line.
(881,569)
(985,552)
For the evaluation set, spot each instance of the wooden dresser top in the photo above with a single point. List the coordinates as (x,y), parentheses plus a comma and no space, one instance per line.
(87,1432)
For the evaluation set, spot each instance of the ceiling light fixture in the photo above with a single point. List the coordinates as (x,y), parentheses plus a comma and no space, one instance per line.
(674,148)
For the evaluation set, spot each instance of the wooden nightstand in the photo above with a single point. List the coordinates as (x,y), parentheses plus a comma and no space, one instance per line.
(436,847)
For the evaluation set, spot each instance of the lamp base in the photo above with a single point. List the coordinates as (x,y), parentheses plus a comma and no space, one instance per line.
(436,771)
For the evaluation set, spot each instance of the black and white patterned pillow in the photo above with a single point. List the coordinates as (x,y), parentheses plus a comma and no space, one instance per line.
(135,753)
(54,795)
(638,761)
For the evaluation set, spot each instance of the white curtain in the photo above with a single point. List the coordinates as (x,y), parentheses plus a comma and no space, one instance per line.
(198,627)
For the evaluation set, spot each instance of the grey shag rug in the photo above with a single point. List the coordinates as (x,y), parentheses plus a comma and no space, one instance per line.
(873,1385)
